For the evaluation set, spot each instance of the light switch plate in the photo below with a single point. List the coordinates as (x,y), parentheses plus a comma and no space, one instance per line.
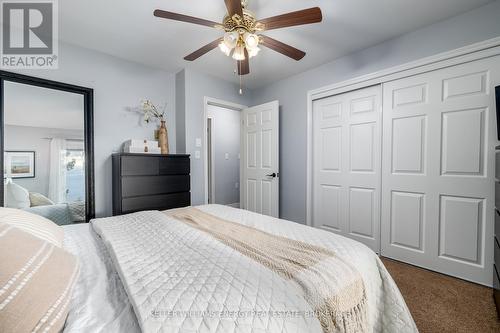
(197,154)
(226,156)
(198,142)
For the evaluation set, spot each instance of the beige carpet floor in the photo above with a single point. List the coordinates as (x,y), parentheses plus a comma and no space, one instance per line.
(439,303)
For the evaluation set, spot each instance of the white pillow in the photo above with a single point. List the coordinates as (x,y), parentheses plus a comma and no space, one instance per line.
(38,199)
(16,196)
(34,224)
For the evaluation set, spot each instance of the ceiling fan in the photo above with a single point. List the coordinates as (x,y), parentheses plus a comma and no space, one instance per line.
(243,36)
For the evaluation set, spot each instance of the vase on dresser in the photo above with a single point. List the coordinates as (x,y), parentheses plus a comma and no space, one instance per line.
(163,137)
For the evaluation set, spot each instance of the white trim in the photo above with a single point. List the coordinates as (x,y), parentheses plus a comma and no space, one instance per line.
(220,103)
(242,160)
(477,51)
(212,176)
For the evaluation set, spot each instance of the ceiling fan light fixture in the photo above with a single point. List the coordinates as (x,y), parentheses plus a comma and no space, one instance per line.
(231,39)
(251,40)
(224,48)
(252,52)
(239,53)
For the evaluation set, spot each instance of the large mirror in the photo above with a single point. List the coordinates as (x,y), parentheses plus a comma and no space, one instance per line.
(47,148)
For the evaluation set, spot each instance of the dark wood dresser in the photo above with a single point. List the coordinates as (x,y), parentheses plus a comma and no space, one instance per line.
(496,265)
(150,182)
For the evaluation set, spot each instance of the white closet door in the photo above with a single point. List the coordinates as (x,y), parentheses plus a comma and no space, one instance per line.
(346,165)
(438,168)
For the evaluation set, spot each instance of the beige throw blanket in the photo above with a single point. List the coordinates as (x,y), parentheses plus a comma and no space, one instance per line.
(332,287)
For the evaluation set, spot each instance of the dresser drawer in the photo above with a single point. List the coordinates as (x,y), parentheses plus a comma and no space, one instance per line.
(497,165)
(496,245)
(156,202)
(496,286)
(174,166)
(139,166)
(144,185)
(497,195)
(496,278)
(497,224)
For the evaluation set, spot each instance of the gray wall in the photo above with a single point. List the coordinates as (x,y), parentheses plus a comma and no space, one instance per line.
(118,85)
(474,26)
(197,86)
(180,112)
(26,138)
(225,139)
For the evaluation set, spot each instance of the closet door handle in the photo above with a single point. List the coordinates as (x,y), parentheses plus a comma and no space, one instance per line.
(273,175)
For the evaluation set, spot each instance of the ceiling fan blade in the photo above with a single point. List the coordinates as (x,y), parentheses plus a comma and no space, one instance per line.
(244,65)
(282,48)
(306,16)
(201,51)
(234,7)
(185,18)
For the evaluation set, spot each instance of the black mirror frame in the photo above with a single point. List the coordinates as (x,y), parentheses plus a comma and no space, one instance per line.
(88,98)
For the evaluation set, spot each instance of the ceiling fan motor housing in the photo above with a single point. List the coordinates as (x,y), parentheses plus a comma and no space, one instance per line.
(247,23)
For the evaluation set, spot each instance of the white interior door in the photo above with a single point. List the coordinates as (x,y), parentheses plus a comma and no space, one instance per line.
(438,169)
(260,165)
(346,165)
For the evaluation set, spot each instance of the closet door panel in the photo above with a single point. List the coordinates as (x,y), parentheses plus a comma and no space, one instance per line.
(460,226)
(362,152)
(408,145)
(462,143)
(362,212)
(346,165)
(329,186)
(407,220)
(438,167)
(413,94)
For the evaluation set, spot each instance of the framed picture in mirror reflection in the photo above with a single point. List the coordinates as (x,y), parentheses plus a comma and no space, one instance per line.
(19,164)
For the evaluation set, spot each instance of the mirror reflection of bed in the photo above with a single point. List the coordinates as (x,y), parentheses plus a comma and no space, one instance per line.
(44,156)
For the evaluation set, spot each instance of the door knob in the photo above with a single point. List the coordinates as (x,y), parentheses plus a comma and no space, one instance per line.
(273,175)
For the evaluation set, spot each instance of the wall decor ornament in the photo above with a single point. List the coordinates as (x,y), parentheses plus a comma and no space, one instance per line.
(151,112)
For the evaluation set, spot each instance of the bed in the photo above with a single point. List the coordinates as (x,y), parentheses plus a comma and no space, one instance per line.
(61,214)
(99,302)
(149,271)
(19,197)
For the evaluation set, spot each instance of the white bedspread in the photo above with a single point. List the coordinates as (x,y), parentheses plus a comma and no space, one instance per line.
(181,280)
(99,302)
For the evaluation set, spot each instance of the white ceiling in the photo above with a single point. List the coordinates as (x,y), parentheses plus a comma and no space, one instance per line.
(47,108)
(128,29)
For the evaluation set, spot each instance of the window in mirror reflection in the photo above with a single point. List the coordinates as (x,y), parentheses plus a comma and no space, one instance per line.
(44,159)
(75,175)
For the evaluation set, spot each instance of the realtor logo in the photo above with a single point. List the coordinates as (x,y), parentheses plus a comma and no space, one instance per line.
(29,34)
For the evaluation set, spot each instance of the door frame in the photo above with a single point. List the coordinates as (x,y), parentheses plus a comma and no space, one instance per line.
(223,104)
(485,49)
(88,110)
(210,161)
